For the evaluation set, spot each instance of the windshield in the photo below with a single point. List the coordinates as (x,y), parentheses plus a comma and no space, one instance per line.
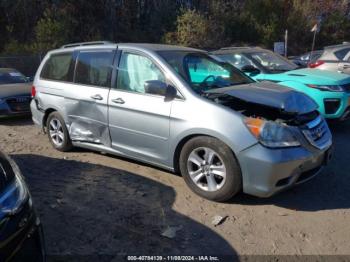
(237,60)
(11,77)
(203,72)
(272,61)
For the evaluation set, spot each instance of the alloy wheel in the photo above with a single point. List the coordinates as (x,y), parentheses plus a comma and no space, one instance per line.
(206,169)
(56,132)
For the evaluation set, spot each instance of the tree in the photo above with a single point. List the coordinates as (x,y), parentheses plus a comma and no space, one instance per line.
(50,32)
(195,30)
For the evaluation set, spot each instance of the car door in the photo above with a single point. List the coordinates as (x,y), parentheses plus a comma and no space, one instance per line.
(344,66)
(86,99)
(138,121)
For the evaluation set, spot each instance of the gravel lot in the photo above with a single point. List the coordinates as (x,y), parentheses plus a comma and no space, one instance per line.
(91,203)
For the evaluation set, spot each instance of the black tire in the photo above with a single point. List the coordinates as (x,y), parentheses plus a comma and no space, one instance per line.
(233,181)
(66,144)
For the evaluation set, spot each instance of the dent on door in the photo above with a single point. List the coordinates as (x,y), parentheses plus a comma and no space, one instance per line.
(88,123)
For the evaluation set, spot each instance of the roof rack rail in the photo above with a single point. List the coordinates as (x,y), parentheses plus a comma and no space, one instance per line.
(238,47)
(87,44)
(339,45)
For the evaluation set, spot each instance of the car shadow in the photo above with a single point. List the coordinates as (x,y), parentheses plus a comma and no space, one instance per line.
(92,211)
(330,190)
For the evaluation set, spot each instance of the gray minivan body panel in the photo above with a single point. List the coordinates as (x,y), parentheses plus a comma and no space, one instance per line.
(148,128)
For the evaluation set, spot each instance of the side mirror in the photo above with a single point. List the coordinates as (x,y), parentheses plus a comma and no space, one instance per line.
(171,93)
(157,87)
(250,69)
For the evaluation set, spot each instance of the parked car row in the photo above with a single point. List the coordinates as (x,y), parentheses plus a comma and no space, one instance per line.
(230,120)
(330,90)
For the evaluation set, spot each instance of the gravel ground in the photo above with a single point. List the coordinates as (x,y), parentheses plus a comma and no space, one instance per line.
(91,203)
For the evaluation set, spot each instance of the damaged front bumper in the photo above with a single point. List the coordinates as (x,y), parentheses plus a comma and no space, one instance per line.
(274,170)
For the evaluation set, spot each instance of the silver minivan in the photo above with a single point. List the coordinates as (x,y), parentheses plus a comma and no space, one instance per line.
(180,109)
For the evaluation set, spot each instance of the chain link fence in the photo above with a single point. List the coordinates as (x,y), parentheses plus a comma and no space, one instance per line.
(26,64)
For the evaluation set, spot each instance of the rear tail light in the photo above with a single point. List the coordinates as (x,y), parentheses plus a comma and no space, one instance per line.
(33,91)
(316,64)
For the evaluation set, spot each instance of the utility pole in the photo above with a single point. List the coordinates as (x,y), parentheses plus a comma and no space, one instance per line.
(286,43)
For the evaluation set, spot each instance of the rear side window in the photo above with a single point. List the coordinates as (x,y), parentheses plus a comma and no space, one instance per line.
(94,68)
(340,54)
(58,67)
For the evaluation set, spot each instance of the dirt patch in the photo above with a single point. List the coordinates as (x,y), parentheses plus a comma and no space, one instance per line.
(91,203)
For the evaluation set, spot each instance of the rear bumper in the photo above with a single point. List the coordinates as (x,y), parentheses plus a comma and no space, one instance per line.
(266,172)
(37,114)
(7,110)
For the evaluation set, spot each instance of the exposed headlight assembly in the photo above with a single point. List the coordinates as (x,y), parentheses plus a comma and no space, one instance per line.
(332,88)
(271,134)
(15,193)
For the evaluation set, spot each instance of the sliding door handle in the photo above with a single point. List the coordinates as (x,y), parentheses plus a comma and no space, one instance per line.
(97,97)
(118,100)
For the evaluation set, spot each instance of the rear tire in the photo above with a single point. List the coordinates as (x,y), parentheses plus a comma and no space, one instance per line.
(58,133)
(210,168)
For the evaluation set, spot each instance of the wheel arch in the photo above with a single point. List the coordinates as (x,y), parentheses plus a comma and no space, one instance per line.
(48,111)
(184,140)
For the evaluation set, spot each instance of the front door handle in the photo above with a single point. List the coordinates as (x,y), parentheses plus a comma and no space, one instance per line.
(97,97)
(346,66)
(118,100)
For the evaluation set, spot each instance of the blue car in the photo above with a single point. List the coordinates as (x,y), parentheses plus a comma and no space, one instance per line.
(330,90)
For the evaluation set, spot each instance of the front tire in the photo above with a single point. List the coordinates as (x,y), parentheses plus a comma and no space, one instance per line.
(58,133)
(210,168)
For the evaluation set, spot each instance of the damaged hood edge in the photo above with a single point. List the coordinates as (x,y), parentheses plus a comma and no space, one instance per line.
(271,95)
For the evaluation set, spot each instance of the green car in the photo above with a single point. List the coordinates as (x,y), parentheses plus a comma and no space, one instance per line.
(330,90)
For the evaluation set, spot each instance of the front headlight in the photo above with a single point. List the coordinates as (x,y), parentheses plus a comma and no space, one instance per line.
(332,88)
(15,194)
(271,134)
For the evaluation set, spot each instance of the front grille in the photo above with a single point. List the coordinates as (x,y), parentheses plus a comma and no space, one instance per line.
(308,174)
(303,119)
(19,104)
(346,87)
(331,105)
(317,133)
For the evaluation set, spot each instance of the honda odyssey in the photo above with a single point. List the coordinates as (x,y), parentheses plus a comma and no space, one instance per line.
(182,110)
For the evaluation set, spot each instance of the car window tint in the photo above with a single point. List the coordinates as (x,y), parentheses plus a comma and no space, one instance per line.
(340,54)
(58,67)
(94,68)
(134,70)
(237,60)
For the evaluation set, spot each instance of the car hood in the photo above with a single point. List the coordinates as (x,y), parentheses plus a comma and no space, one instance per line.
(15,89)
(271,95)
(311,76)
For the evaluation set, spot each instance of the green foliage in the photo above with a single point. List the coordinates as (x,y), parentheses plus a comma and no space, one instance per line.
(38,26)
(195,30)
(50,32)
